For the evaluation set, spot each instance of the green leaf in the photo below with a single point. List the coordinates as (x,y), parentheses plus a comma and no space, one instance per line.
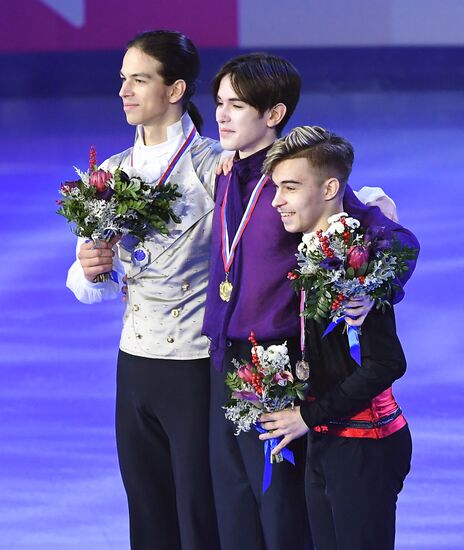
(362,270)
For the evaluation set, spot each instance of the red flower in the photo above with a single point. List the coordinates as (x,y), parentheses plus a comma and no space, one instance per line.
(245,373)
(357,256)
(92,159)
(99,179)
(283,377)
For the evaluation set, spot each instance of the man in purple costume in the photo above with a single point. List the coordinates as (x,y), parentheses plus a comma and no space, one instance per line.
(251,255)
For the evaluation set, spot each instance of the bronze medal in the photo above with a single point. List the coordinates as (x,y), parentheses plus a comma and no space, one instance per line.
(225,290)
(302,370)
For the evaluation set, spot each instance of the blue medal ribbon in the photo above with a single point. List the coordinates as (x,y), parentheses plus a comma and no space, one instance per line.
(269,445)
(353,338)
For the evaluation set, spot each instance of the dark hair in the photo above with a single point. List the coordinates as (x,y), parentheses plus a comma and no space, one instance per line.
(262,80)
(332,155)
(179,60)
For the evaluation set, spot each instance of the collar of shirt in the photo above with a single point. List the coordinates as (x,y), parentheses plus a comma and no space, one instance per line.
(249,168)
(153,160)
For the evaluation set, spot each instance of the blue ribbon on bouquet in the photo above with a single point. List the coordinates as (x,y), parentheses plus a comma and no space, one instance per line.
(353,338)
(269,445)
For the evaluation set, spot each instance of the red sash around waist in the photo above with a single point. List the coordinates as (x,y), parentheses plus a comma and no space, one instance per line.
(382,418)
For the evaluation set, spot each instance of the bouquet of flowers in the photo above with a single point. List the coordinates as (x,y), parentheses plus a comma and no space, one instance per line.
(264,385)
(346,261)
(105,203)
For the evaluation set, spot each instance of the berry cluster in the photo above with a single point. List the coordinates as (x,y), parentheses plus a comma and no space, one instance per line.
(337,301)
(291,276)
(257,377)
(325,244)
(346,234)
(92,159)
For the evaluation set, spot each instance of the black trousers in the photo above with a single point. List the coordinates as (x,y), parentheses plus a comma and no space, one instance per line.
(247,519)
(352,488)
(162,438)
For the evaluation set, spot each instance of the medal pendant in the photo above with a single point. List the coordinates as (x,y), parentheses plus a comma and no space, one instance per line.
(140,257)
(302,370)
(225,290)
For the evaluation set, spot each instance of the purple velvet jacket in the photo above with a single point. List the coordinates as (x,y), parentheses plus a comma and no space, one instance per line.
(262,299)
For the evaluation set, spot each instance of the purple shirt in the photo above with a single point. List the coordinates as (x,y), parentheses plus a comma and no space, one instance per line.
(262,299)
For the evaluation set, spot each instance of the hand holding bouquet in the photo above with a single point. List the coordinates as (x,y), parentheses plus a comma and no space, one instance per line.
(343,262)
(264,385)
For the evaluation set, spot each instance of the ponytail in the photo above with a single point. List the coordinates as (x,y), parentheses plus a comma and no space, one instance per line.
(195,115)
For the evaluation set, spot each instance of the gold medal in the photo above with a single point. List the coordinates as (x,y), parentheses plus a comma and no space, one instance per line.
(302,370)
(225,290)
(228,248)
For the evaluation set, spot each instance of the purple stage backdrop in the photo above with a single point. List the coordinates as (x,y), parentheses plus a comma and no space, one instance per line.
(76,25)
(83,25)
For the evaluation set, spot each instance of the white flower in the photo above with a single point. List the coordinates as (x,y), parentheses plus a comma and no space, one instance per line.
(259,351)
(336,227)
(352,223)
(336,217)
(278,349)
(311,241)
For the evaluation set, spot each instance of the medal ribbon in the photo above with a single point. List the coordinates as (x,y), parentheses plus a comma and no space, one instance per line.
(302,323)
(175,159)
(353,338)
(228,252)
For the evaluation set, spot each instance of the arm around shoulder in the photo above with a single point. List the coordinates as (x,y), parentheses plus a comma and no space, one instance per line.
(206,154)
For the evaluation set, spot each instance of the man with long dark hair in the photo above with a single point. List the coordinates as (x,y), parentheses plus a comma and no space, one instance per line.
(163,369)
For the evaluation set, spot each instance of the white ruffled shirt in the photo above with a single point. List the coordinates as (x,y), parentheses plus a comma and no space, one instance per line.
(153,160)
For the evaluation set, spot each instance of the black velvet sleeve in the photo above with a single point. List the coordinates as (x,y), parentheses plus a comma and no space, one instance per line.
(382,362)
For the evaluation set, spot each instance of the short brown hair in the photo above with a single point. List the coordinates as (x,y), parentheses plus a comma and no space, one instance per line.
(332,155)
(262,80)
